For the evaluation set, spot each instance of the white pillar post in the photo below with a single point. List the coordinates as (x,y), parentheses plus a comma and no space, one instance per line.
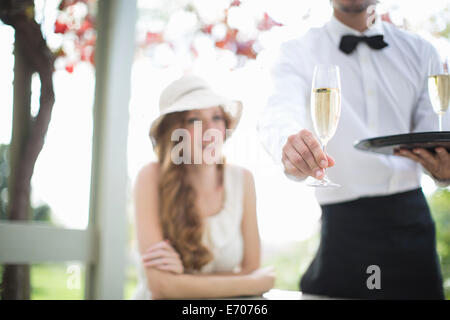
(114,54)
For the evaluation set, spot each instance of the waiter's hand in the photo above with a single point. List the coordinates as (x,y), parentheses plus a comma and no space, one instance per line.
(438,165)
(303,156)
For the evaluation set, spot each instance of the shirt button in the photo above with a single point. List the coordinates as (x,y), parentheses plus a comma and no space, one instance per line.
(370,93)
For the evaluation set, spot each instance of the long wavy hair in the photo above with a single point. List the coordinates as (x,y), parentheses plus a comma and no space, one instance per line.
(180,220)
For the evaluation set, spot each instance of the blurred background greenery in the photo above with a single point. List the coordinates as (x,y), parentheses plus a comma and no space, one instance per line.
(440,208)
(37,213)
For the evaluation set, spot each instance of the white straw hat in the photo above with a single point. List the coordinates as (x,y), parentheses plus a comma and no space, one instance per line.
(189,93)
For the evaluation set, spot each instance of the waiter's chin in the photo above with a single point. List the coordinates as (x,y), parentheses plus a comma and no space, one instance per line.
(353,6)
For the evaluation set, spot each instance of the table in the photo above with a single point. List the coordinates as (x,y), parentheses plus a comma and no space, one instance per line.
(278,294)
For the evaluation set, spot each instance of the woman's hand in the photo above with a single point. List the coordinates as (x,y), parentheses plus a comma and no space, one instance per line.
(163,256)
(438,165)
(264,279)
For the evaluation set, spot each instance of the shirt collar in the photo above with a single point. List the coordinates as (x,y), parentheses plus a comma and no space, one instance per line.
(337,29)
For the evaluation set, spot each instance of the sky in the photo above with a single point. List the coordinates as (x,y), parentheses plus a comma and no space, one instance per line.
(287,211)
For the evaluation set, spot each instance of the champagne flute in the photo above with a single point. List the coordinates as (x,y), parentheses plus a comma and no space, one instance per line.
(325,110)
(439,86)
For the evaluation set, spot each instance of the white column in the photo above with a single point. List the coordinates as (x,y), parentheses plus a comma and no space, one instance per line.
(115,47)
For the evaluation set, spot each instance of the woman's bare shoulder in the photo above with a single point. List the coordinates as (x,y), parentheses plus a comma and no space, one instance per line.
(148,174)
(246,173)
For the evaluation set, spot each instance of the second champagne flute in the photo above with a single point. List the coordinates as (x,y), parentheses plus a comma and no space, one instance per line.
(439,86)
(325,110)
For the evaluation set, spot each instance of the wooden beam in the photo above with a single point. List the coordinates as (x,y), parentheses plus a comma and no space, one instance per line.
(34,242)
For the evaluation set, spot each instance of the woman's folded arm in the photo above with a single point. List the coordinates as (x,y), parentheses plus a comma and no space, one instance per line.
(165,285)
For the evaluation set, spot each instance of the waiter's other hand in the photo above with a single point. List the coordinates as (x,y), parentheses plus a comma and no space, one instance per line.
(438,165)
(303,156)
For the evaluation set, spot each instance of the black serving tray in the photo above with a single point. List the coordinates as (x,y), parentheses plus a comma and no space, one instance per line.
(388,144)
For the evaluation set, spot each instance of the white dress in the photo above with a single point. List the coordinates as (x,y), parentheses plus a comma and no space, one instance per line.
(223,234)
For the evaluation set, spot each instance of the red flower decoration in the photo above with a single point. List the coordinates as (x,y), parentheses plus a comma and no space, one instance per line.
(153,38)
(193,51)
(386,17)
(70,67)
(208,28)
(67,3)
(80,30)
(246,49)
(86,25)
(229,42)
(267,23)
(60,27)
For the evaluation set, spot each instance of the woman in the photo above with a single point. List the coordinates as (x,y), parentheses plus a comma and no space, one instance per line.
(196,215)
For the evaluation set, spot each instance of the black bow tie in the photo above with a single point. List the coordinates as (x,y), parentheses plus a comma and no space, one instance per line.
(349,42)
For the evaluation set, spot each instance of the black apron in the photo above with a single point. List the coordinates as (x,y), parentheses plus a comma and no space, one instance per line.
(395,233)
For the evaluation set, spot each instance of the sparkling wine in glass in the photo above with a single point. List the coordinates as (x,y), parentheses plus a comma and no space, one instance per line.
(325,110)
(439,86)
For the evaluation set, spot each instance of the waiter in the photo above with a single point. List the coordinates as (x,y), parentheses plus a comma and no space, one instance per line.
(377,234)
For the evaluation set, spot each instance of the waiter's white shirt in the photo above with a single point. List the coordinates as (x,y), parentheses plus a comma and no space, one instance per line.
(384,92)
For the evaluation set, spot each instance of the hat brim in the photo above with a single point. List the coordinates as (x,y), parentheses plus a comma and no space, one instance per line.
(201,99)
